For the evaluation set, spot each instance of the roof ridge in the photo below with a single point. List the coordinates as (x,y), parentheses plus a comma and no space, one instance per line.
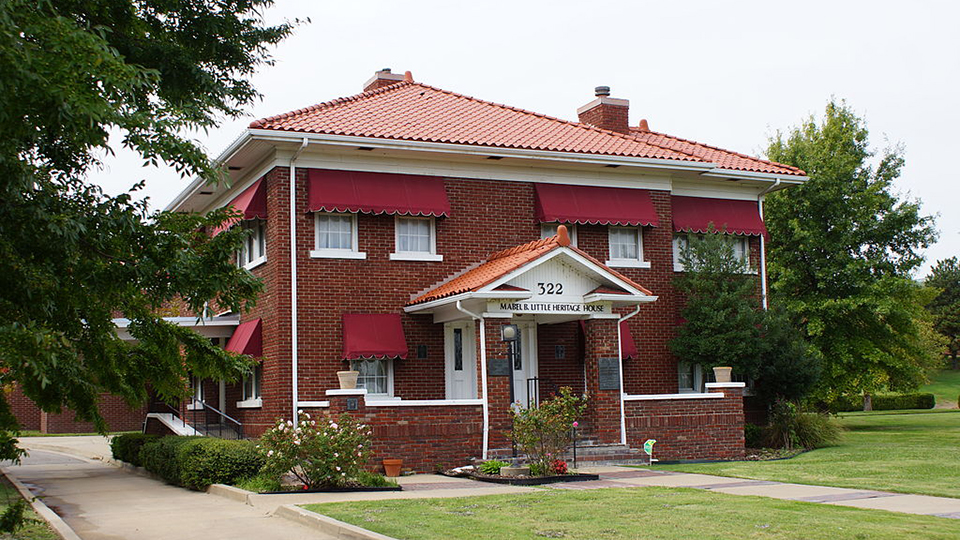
(635,130)
(529,246)
(331,103)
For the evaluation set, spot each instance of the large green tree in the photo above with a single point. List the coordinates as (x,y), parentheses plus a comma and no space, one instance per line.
(71,258)
(842,249)
(945,307)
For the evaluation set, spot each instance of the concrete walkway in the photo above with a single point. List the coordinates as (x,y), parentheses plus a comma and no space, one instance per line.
(103,501)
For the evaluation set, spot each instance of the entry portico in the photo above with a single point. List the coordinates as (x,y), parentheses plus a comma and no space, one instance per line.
(545,282)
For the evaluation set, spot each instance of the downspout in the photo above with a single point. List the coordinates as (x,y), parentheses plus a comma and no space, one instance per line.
(483,376)
(763,245)
(623,412)
(294,335)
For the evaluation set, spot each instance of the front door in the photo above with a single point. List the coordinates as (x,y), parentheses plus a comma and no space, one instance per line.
(461,360)
(525,387)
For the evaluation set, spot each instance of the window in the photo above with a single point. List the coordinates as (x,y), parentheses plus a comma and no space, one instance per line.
(626,247)
(689,377)
(416,239)
(336,237)
(254,250)
(251,388)
(739,244)
(550,229)
(375,376)
(196,394)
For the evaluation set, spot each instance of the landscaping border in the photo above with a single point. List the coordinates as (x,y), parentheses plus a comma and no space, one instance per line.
(52,518)
(534,480)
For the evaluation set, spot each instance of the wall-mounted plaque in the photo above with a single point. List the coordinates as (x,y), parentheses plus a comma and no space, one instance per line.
(499,367)
(353,404)
(609,373)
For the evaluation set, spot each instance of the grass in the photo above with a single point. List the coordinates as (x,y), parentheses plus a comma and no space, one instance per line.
(36,530)
(946,386)
(906,452)
(651,512)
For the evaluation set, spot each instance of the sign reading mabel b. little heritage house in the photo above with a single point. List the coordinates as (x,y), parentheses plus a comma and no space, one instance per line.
(549,307)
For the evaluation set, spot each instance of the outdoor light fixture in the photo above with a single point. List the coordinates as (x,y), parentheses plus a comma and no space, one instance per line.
(509,332)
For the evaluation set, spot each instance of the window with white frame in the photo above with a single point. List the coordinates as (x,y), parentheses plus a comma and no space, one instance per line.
(375,375)
(689,377)
(739,244)
(196,393)
(254,249)
(626,247)
(251,388)
(336,237)
(550,229)
(416,239)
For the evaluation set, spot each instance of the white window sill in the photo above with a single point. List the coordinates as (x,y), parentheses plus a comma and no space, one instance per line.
(255,263)
(750,272)
(416,256)
(253,403)
(193,406)
(627,263)
(337,254)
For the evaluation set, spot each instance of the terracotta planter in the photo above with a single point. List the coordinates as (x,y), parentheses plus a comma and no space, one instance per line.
(391,467)
(722,374)
(348,379)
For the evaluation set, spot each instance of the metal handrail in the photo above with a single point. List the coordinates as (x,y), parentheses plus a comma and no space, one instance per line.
(205,407)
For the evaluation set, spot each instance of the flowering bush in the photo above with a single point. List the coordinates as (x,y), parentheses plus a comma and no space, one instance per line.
(543,433)
(320,453)
(559,466)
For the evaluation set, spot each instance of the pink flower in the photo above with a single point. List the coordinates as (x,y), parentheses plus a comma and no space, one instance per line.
(575,423)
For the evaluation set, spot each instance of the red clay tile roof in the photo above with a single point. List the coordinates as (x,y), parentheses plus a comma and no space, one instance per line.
(502,263)
(418,112)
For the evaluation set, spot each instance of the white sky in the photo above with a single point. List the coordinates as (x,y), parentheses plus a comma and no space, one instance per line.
(723,73)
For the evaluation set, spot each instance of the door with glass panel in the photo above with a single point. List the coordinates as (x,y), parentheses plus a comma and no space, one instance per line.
(461,360)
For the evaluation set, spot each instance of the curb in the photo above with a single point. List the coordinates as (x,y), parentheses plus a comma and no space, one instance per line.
(327,525)
(230,492)
(56,522)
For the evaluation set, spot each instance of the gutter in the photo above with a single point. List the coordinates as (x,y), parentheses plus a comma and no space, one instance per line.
(623,412)
(294,334)
(483,376)
(763,245)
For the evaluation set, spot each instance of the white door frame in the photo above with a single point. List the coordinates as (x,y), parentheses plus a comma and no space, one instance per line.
(528,359)
(462,385)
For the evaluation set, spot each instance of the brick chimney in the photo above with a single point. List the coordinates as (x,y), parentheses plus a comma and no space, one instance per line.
(381,79)
(606,112)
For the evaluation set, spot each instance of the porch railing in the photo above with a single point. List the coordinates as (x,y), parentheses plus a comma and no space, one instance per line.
(220,421)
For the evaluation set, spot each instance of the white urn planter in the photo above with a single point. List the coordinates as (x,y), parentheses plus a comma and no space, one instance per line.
(348,379)
(722,373)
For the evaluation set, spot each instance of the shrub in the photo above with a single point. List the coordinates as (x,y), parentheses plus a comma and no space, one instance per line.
(217,461)
(160,457)
(559,466)
(790,427)
(259,484)
(493,466)
(320,453)
(126,447)
(752,436)
(544,432)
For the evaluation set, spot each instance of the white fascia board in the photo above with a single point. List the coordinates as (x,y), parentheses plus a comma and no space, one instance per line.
(619,298)
(752,175)
(485,151)
(198,182)
(439,302)
(189,321)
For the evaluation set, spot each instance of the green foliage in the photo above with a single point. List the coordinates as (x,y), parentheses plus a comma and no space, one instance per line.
(492,466)
(885,402)
(162,457)
(372,479)
(320,453)
(945,306)
(126,447)
(842,247)
(786,370)
(218,461)
(791,427)
(259,484)
(14,518)
(543,433)
(721,316)
(752,436)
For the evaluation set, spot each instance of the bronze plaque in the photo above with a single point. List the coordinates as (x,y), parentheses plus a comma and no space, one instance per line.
(609,373)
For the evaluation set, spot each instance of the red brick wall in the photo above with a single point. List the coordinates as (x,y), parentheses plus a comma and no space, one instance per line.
(555,373)
(118,415)
(705,428)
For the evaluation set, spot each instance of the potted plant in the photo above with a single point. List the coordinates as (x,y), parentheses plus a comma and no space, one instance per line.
(722,373)
(391,467)
(348,379)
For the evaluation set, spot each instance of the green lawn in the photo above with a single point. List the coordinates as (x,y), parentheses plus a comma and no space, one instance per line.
(33,531)
(907,452)
(651,512)
(946,386)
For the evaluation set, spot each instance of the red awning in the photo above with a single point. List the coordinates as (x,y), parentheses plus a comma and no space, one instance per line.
(377,193)
(594,205)
(373,335)
(247,339)
(628,349)
(695,214)
(252,203)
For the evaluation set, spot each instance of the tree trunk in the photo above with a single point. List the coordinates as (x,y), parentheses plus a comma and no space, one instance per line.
(867,402)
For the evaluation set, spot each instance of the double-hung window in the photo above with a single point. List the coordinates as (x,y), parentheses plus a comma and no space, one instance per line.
(375,375)
(336,237)
(251,388)
(689,378)
(626,247)
(254,250)
(739,244)
(416,239)
(550,229)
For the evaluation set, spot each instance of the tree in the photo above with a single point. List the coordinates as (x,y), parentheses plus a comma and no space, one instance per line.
(73,258)
(841,252)
(945,306)
(722,312)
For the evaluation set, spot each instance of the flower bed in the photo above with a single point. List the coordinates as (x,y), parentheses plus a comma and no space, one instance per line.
(531,480)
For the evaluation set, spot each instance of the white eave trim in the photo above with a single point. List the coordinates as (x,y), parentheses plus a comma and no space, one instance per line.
(753,175)
(618,298)
(233,320)
(198,182)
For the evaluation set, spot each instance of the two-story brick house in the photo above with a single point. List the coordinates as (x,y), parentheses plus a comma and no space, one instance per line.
(398,231)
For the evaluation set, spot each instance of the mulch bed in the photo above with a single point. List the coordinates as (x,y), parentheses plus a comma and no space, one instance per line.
(524,480)
(771,454)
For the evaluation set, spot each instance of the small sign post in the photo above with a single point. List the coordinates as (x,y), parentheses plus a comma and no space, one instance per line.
(648,448)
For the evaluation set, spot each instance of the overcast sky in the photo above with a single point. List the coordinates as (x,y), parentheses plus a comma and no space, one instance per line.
(723,73)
